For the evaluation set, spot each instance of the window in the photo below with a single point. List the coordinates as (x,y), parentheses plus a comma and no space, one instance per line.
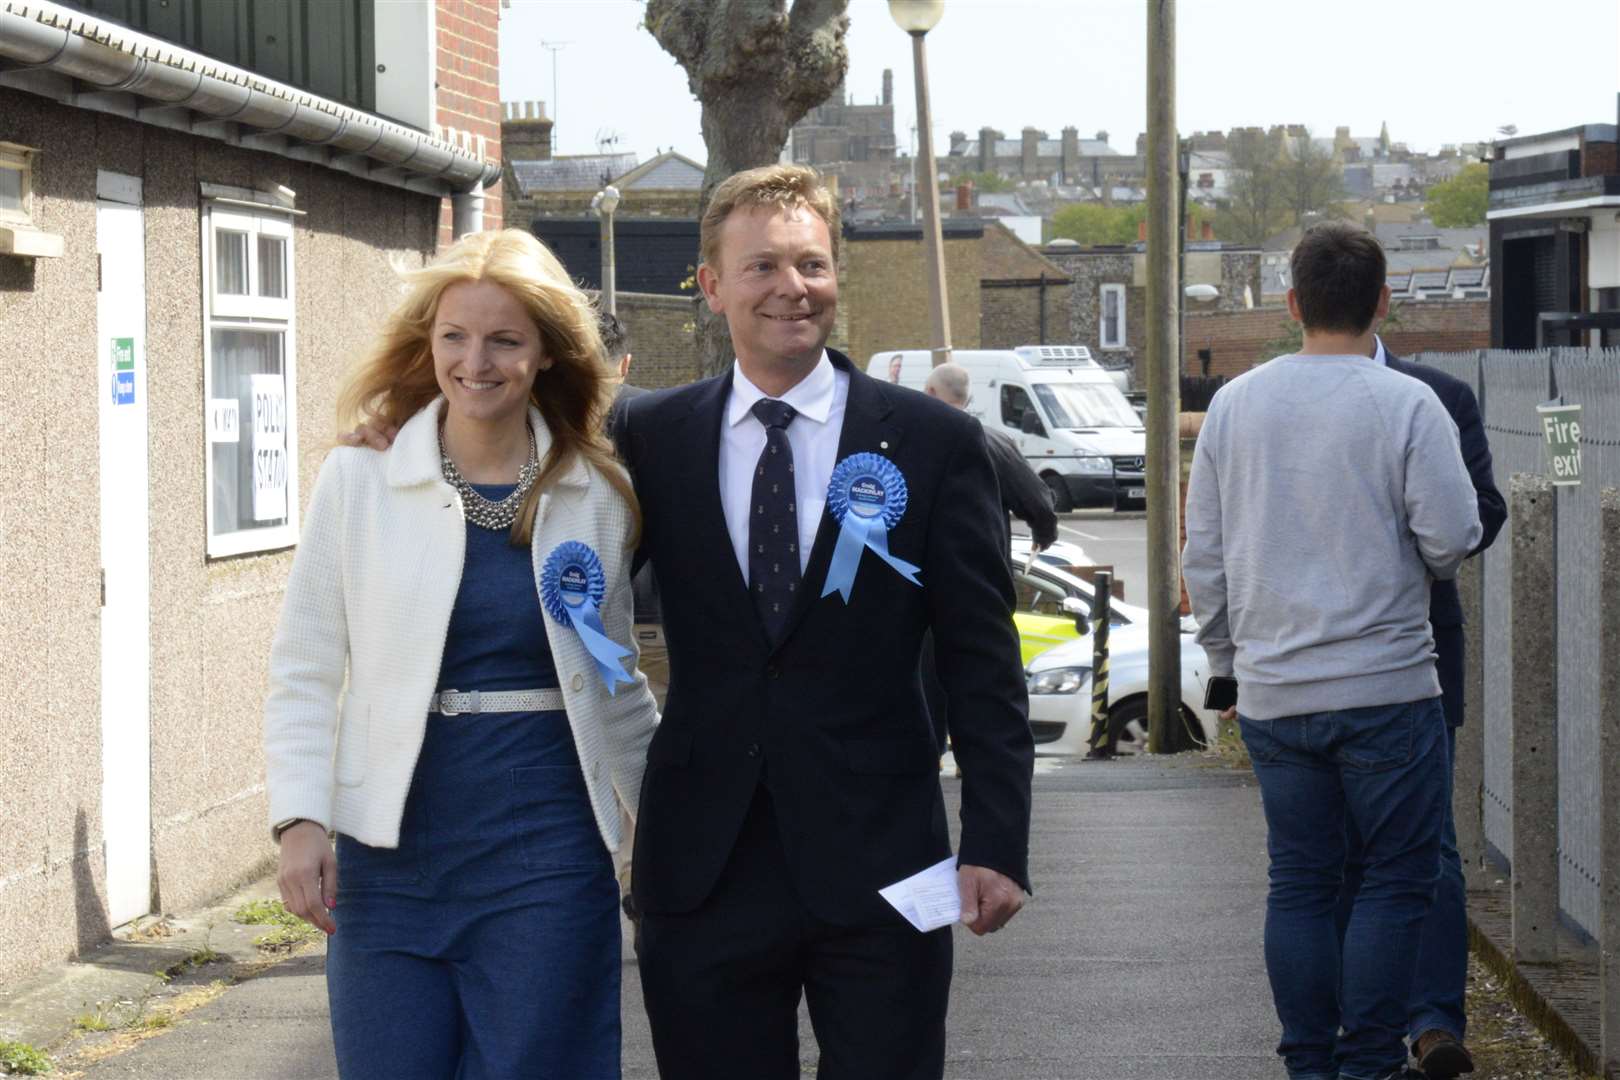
(1111,325)
(1014,404)
(248,379)
(1086,405)
(16,183)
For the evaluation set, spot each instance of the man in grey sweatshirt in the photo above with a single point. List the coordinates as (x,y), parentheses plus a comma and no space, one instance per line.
(1326,492)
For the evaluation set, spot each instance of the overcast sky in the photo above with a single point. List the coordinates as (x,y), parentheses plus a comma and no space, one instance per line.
(1438,71)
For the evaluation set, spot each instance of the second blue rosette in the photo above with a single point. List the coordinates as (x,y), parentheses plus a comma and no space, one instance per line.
(572,585)
(867,497)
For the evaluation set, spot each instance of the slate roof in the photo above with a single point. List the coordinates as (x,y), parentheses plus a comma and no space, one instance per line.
(668,171)
(579,172)
(1011,148)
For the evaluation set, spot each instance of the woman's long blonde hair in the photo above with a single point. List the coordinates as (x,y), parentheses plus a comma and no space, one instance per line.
(396,380)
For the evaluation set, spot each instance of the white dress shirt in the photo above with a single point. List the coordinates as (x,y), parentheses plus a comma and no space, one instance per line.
(819,398)
(1378,352)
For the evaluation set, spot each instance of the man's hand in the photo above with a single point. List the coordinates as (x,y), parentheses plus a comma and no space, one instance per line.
(1229,715)
(376,436)
(989,898)
(308,874)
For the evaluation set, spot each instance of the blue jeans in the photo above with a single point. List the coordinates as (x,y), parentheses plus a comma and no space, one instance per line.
(1382,768)
(1442,971)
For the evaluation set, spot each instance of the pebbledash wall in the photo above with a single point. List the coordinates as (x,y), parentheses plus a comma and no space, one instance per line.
(211,619)
(1237,340)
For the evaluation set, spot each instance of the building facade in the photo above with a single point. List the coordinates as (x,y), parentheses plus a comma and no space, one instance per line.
(193,250)
(1554,215)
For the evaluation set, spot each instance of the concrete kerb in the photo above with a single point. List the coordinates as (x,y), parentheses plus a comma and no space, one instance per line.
(44,1010)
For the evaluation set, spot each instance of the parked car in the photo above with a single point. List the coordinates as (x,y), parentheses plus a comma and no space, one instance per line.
(1061,554)
(1059,677)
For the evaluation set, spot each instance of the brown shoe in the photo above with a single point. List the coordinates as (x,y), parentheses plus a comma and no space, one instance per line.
(1441,1056)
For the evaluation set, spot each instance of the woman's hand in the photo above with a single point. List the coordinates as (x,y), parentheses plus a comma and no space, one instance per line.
(377,436)
(308,874)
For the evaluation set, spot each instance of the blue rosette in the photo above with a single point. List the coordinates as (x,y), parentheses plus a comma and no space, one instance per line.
(572,585)
(867,497)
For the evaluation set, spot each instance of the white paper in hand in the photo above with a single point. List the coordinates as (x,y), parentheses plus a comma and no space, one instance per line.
(929,899)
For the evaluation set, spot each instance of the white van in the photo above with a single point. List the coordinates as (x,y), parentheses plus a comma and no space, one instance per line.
(1063,410)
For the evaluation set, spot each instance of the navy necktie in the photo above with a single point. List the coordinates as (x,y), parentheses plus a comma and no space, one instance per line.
(773,527)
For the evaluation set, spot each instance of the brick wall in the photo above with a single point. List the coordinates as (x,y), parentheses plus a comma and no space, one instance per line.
(1237,340)
(663,349)
(883,295)
(468,89)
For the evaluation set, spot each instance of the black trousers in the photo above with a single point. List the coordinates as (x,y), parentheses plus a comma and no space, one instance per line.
(722,983)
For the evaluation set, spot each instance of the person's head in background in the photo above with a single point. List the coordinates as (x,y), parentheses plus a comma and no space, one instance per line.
(949,383)
(615,345)
(894,366)
(1339,292)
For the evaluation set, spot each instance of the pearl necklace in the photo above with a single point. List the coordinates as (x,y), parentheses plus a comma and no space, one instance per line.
(487,513)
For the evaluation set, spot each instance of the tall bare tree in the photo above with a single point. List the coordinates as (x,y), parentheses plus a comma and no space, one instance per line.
(756,67)
(1312,180)
(1256,204)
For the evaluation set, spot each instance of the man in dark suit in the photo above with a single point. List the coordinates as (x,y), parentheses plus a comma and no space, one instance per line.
(1436,1019)
(794,773)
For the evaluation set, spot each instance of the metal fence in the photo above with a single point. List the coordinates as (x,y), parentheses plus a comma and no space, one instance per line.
(1509,386)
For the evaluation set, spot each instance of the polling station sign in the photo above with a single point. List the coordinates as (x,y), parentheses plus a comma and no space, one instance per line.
(1561,427)
(269,447)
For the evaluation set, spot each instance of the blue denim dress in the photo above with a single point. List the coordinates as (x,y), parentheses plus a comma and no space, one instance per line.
(487,944)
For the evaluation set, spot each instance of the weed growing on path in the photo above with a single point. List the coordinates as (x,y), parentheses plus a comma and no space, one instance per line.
(20,1059)
(287,931)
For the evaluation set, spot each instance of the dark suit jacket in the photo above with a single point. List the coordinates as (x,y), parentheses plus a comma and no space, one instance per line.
(1023,494)
(833,718)
(1445,609)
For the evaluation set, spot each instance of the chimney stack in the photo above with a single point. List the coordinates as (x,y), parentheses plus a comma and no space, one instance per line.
(1071,156)
(888,86)
(964,197)
(525,131)
(1029,164)
(988,138)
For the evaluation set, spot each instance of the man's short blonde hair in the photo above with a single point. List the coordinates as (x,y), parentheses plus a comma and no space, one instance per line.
(787,187)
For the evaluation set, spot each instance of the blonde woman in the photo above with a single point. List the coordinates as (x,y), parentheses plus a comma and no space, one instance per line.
(472,583)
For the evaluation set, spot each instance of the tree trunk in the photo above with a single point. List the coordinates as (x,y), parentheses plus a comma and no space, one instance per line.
(756,67)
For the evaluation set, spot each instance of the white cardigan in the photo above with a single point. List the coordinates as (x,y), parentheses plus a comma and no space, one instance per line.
(376,575)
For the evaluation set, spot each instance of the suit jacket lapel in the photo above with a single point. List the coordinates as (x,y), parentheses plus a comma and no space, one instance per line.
(867,427)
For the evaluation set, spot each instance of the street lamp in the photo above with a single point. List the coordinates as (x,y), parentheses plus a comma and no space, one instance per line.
(917,17)
(604,202)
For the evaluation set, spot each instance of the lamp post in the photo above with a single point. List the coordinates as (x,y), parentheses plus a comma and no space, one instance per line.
(917,17)
(604,202)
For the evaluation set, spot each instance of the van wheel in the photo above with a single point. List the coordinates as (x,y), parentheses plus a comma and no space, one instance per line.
(1060,493)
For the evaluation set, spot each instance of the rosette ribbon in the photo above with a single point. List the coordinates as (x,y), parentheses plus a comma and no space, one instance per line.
(867,497)
(572,584)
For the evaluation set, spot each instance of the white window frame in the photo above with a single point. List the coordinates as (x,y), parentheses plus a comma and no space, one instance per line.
(1103,339)
(251,312)
(19,159)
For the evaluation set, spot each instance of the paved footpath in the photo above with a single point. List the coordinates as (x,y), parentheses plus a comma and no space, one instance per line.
(1138,959)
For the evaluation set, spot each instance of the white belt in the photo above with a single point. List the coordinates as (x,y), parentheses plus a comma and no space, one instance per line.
(459,702)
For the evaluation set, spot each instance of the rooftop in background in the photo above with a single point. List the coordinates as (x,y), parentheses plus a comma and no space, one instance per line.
(669,171)
(581,172)
(1011,148)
